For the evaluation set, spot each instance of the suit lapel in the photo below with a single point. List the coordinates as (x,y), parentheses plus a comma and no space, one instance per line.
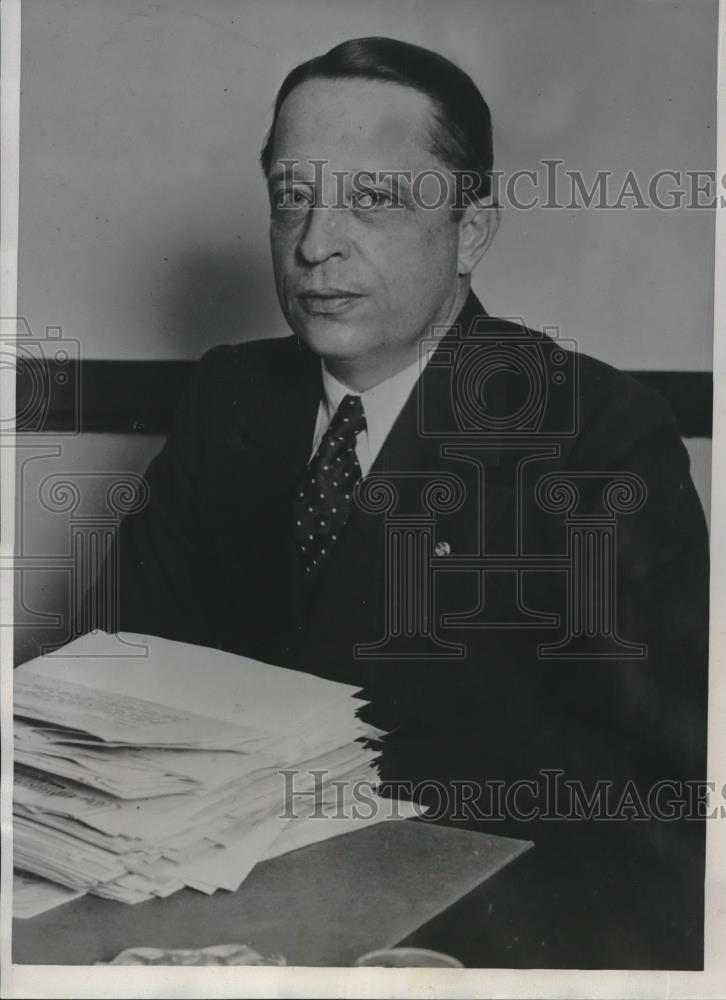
(269,447)
(279,430)
(291,430)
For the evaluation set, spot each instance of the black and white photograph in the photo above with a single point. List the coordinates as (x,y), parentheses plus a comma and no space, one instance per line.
(357,496)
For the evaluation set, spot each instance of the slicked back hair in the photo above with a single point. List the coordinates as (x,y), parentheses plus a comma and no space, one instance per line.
(461,128)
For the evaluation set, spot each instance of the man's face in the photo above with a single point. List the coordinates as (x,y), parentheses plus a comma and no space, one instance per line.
(360,284)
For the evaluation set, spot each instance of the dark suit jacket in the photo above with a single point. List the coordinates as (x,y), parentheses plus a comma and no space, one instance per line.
(211,559)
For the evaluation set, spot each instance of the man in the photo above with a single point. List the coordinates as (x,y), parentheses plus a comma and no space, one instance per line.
(497,540)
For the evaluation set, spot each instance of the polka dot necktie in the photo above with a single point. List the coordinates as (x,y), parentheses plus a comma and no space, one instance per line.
(324,497)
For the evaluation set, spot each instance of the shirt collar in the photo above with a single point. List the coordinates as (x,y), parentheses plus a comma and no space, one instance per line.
(382,403)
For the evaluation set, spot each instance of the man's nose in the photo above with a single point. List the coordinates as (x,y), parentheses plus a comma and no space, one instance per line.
(324,235)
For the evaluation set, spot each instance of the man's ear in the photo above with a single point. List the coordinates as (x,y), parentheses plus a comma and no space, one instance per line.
(477,228)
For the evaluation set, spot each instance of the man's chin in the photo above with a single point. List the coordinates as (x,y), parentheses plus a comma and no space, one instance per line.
(330,339)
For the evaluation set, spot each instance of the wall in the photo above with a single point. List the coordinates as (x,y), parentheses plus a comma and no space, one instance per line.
(144,220)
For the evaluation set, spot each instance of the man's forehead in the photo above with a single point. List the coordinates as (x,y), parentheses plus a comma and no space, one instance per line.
(353,123)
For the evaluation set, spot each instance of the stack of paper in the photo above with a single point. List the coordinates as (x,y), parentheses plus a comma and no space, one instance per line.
(179,766)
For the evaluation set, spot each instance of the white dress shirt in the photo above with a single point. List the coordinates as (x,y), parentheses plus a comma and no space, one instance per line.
(381,404)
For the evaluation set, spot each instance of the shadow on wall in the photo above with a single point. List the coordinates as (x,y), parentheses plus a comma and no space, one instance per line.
(217,295)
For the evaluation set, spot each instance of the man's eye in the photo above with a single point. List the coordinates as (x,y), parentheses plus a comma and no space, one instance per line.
(296,197)
(371,199)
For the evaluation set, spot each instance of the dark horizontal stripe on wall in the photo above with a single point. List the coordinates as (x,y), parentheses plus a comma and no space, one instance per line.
(120,397)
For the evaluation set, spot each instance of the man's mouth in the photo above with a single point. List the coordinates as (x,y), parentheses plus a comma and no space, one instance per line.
(328,301)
